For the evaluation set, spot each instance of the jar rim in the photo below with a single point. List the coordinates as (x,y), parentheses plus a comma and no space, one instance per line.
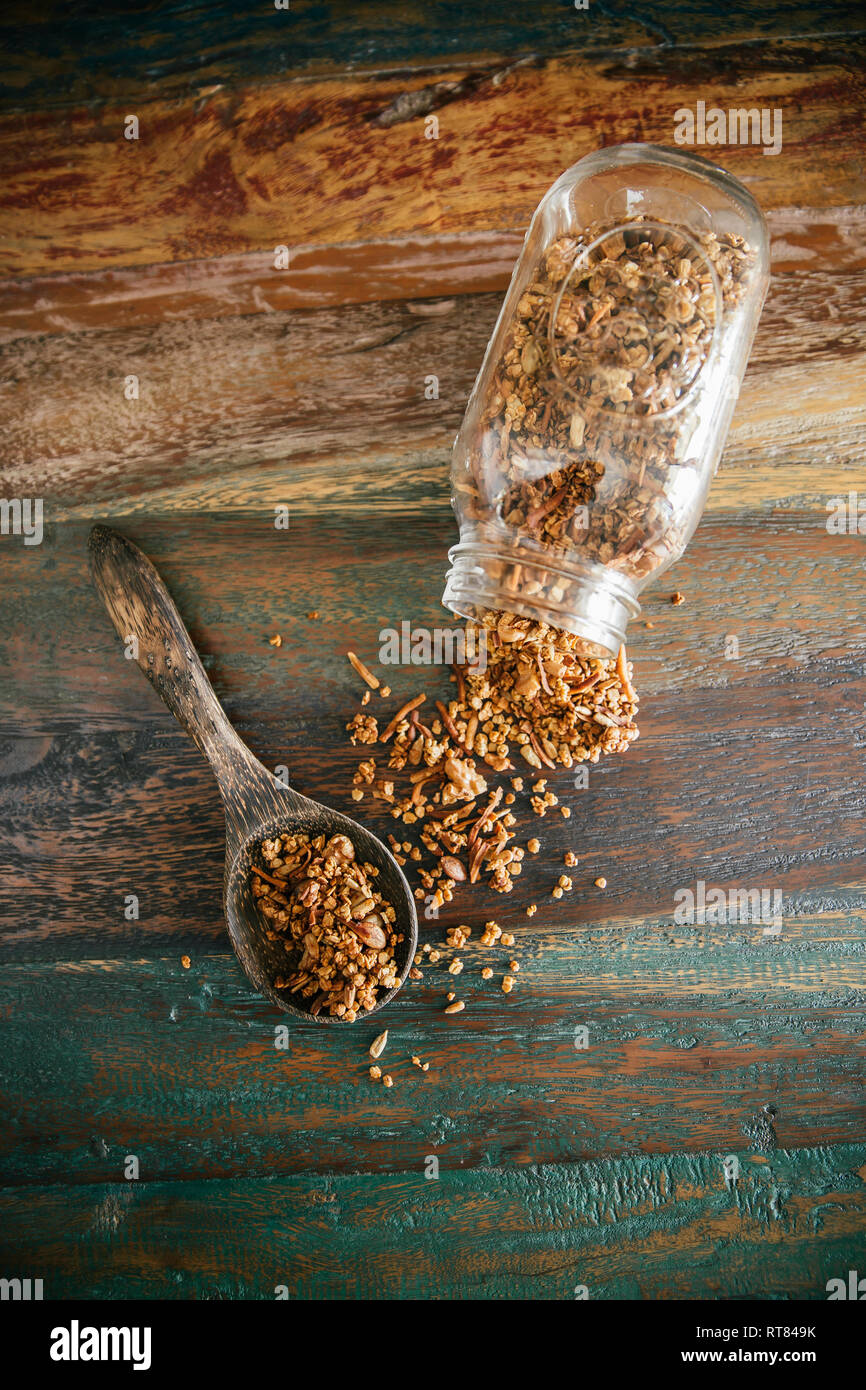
(598,606)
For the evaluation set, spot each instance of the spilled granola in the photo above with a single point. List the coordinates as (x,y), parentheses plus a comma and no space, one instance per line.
(540,704)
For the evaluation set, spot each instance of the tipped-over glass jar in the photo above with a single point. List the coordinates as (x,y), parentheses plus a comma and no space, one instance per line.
(598,417)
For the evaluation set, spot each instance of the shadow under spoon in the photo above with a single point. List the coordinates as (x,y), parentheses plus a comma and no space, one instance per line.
(256,805)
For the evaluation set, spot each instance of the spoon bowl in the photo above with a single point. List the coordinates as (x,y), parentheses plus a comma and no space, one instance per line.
(262,959)
(256,803)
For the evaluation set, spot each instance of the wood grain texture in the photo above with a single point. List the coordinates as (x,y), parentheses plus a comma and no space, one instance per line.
(637,1227)
(560,1165)
(787,588)
(768,746)
(330,161)
(327,409)
(147,821)
(423,266)
(668,1067)
(816,257)
(732,1022)
(189,46)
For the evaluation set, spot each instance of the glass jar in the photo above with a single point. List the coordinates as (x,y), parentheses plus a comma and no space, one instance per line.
(598,417)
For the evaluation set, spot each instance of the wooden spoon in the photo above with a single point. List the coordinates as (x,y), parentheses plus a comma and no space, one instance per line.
(256,805)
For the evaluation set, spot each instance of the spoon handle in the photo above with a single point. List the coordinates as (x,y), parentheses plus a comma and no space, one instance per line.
(149,624)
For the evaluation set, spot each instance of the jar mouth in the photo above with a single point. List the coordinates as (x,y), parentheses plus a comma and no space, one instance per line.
(630,415)
(582,598)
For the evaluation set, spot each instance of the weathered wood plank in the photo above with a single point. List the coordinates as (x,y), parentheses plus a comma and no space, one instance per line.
(788,590)
(636,1228)
(90,820)
(812,254)
(102,1058)
(362,273)
(768,746)
(327,161)
(249,411)
(186,47)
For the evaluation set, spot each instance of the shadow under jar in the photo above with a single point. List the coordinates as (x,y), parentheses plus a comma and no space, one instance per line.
(598,417)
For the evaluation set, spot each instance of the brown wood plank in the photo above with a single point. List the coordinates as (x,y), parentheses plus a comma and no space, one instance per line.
(247,411)
(781,583)
(226,286)
(141,815)
(246,170)
(806,247)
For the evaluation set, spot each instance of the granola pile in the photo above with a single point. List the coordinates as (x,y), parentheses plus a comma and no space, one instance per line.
(578,446)
(324,904)
(541,703)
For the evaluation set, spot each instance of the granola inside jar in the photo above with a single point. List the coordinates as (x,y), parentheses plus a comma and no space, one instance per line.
(598,418)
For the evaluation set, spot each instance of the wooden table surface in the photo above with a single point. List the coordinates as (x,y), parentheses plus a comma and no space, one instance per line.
(560,1167)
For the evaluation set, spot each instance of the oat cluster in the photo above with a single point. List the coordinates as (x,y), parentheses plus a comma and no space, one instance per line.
(452,775)
(323,903)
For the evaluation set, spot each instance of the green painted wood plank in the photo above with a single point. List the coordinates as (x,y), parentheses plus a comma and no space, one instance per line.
(101,1059)
(788,590)
(57,55)
(100,794)
(139,814)
(652,1228)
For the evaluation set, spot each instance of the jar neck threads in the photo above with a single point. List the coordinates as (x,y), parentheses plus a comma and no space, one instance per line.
(589,600)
